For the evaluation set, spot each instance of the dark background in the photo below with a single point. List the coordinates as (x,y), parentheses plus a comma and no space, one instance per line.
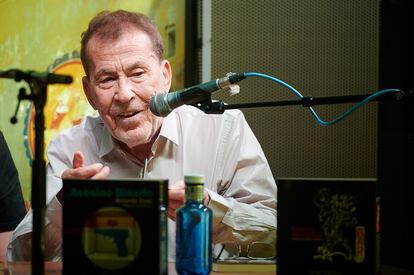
(324,48)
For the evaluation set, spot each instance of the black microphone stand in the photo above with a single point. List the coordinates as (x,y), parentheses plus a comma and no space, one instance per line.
(218,107)
(38,86)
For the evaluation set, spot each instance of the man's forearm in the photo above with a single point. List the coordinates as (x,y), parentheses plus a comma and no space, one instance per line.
(238,222)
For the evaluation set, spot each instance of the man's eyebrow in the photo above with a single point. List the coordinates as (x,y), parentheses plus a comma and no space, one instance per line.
(137,64)
(103,71)
(130,67)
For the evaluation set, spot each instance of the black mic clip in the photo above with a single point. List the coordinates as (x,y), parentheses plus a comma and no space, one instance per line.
(22,96)
(209,106)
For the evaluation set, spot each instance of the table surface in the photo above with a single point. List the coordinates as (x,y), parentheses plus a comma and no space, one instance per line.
(55,268)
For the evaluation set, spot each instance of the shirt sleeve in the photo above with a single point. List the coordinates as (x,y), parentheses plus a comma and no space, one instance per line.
(244,202)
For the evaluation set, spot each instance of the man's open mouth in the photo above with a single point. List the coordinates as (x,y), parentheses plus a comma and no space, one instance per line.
(129,114)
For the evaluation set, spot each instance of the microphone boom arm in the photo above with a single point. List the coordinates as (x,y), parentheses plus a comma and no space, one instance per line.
(218,107)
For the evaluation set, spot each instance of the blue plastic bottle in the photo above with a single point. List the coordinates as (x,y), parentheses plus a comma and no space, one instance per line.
(193,231)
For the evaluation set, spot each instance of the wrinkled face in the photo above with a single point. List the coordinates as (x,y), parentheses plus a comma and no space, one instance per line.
(124,74)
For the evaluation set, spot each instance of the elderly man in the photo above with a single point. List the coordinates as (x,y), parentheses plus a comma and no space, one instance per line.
(122,54)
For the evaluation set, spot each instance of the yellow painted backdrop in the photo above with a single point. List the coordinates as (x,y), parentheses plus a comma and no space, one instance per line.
(44,35)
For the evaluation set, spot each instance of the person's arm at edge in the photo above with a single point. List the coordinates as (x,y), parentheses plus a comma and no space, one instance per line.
(246,210)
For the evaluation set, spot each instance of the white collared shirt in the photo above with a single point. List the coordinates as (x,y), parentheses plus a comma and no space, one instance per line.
(223,148)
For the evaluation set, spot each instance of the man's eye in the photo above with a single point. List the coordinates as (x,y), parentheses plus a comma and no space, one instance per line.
(137,74)
(107,79)
(106,82)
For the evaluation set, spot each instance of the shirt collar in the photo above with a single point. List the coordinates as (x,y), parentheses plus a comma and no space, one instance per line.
(103,137)
(169,128)
(106,143)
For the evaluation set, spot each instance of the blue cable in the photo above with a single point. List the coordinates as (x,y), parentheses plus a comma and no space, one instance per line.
(313,112)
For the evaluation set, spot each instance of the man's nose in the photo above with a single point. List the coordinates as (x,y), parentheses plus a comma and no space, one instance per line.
(125,92)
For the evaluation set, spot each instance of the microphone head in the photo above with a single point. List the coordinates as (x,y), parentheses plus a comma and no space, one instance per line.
(159,105)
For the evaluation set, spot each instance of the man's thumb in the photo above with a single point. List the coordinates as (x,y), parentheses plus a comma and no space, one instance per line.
(78,159)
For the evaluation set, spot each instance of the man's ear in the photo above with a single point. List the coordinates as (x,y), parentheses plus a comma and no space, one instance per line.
(167,75)
(87,90)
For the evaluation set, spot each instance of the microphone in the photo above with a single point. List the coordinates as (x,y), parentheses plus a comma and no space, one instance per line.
(46,77)
(163,103)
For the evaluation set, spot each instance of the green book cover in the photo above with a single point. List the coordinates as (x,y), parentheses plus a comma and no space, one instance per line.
(115,226)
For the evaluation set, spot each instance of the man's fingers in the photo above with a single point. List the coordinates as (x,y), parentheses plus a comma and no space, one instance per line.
(176,192)
(173,204)
(171,214)
(83,172)
(102,174)
(177,186)
(176,198)
(78,160)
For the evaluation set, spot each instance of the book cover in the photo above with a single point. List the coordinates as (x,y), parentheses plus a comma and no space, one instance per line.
(114,226)
(327,227)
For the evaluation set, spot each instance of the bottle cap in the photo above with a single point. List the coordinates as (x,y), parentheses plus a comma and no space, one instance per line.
(194,179)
